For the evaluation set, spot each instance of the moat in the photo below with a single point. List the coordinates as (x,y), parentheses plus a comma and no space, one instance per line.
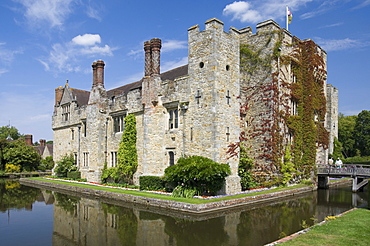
(32,216)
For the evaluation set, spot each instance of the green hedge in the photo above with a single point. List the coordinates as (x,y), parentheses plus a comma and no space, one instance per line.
(151,183)
(74,175)
(198,173)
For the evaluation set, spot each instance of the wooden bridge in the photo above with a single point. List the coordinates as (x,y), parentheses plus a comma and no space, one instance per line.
(359,173)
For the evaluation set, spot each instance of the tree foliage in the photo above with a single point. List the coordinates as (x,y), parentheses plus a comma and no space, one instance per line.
(346,134)
(65,165)
(198,173)
(19,154)
(6,131)
(245,169)
(127,153)
(362,132)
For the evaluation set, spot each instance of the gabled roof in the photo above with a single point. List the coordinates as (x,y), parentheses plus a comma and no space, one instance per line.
(175,73)
(124,89)
(81,96)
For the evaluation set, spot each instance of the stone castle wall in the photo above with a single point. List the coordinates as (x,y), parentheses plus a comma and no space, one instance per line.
(201,112)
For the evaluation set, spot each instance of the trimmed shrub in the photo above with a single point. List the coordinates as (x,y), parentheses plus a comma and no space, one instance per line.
(151,183)
(74,175)
(65,165)
(197,173)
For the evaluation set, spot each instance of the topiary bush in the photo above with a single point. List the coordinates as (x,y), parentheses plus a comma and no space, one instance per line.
(65,165)
(197,173)
(76,175)
(151,183)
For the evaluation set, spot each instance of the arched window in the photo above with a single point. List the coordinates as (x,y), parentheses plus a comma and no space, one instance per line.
(171,156)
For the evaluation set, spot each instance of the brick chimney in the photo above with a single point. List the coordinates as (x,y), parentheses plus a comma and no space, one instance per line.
(152,50)
(42,142)
(28,139)
(58,95)
(148,58)
(98,73)
(156,45)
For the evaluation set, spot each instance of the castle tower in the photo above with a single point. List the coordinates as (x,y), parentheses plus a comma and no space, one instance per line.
(214,100)
(93,149)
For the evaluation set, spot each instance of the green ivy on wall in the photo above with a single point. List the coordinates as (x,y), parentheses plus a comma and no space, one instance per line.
(307,126)
(127,153)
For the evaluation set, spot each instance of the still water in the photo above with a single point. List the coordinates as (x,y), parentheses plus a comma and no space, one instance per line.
(32,216)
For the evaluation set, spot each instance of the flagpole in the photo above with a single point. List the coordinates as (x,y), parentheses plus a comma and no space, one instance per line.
(287,18)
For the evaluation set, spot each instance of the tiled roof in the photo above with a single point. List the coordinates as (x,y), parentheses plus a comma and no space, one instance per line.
(81,96)
(175,73)
(123,89)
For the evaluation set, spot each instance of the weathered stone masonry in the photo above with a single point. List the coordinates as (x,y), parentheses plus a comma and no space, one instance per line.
(191,110)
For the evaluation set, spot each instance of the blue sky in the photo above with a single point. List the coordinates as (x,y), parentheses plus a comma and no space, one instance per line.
(46,42)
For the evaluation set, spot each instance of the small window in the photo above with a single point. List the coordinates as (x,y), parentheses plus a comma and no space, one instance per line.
(118,123)
(86,159)
(201,64)
(114,159)
(227,67)
(171,156)
(173,121)
(84,128)
(66,112)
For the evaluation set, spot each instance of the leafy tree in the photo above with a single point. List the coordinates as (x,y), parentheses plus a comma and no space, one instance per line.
(346,134)
(46,164)
(362,132)
(3,146)
(19,154)
(287,167)
(127,154)
(198,173)
(338,148)
(65,165)
(11,131)
(244,170)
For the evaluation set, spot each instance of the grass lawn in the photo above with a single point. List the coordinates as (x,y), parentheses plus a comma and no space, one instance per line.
(352,228)
(167,197)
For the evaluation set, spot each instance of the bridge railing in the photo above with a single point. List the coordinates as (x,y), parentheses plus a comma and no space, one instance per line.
(345,170)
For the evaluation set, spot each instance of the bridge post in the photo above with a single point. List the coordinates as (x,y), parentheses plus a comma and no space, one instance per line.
(358,184)
(323,182)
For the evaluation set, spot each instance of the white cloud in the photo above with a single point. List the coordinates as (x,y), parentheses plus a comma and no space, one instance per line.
(243,12)
(168,65)
(171,45)
(30,113)
(92,12)
(167,46)
(87,39)
(53,12)
(255,11)
(7,57)
(339,44)
(66,57)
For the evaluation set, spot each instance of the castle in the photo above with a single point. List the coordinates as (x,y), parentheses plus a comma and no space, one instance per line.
(223,96)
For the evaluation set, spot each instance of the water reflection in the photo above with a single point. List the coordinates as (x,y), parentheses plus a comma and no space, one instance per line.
(85,221)
(13,195)
(82,221)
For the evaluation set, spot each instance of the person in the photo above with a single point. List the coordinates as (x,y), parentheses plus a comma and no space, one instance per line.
(331,162)
(339,163)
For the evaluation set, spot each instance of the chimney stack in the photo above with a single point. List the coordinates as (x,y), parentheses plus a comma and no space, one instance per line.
(28,139)
(156,45)
(58,95)
(98,73)
(42,142)
(152,50)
